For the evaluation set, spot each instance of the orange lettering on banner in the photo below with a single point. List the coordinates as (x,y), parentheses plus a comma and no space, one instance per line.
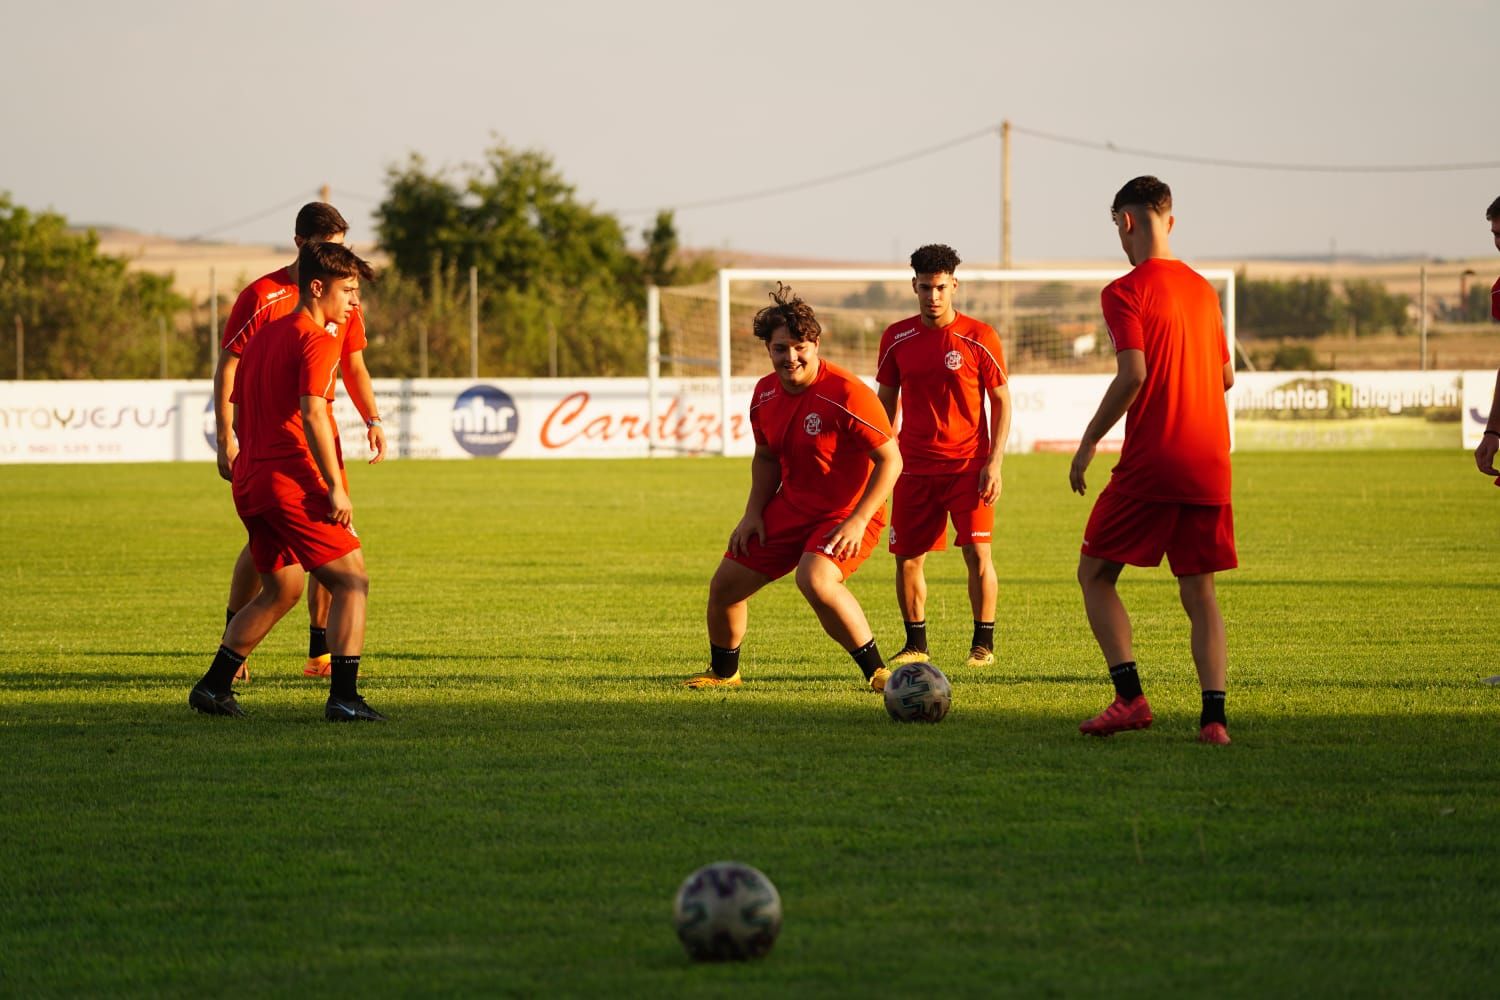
(571,421)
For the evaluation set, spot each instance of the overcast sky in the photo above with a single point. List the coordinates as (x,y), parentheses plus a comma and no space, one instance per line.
(179,118)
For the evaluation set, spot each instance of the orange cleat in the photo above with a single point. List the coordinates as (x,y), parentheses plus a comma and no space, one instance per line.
(318,666)
(1121,715)
(1215,733)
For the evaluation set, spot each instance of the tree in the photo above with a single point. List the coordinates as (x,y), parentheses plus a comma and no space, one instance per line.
(1299,308)
(86,315)
(1371,308)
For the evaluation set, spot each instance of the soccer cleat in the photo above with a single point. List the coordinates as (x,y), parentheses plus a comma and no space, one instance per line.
(243,674)
(318,666)
(880,676)
(201,699)
(709,679)
(1120,716)
(980,657)
(1214,732)
(350,710)
(909,655)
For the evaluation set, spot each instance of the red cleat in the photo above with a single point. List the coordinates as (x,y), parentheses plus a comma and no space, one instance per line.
(1118,717)
(1215,733)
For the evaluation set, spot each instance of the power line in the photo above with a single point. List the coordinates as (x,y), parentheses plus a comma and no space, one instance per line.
(298,200)
(1213,161)
(842,175)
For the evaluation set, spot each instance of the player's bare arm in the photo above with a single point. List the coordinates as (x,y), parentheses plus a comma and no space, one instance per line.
(226,443)
(1130,375)
(844,540)
(989,477)
(765,477)
(319,431)
(889,397)
(362,394)
(1228,375)
(1484,455)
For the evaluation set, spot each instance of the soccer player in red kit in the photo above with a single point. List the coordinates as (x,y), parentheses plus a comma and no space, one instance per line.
(825,460)
(1484,455)
(289,485)
(943,367)
(1169,493)
(268,298)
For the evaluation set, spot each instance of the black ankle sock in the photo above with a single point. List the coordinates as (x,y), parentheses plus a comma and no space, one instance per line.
(317,642)
(984,635)
(220,676)
(1127,681)
(1213,709)
(868,658)
(344,682)
(916,636)
(723,662)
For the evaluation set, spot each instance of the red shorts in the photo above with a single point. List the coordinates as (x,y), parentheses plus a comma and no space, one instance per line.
(1195,538)
(297,533)
(921,506)
(790,533)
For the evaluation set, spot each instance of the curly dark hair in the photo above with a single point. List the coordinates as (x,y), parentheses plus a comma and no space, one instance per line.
(1493,212)
(790,312)
(934,258)
(1144,190)
(322,261)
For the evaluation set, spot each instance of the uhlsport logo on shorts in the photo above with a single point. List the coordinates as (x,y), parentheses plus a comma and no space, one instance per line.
(484,420)
(813,424)
(953,360)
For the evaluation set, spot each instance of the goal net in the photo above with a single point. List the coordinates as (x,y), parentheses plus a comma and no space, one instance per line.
(702,354)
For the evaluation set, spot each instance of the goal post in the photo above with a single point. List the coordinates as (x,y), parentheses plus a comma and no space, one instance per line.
(702,354)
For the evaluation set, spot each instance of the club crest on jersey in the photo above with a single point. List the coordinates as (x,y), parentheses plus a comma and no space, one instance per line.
(953,360)
(332,328)
(813,424)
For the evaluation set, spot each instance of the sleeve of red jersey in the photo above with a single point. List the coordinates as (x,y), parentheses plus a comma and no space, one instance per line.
(887,373)
(1495,302)
(756,430)
(240,328)
(354,337)
(992,365)
(320,365)
(867,423)
(1122,319)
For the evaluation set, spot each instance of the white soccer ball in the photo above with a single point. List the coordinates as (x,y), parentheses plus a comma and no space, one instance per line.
(727,911)
(918,692)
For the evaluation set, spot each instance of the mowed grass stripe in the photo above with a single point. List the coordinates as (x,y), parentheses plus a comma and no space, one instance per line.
(522,824)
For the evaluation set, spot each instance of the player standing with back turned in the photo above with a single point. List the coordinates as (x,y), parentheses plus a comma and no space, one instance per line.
(1484,455)
(942,367)
(1169,493)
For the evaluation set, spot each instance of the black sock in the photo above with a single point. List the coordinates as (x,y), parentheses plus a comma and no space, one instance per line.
(723,662)
(984,635)
(868,658)
(1213,709)
(344,682)
(317,642)
(220,676)
(916,636)
(1127,681)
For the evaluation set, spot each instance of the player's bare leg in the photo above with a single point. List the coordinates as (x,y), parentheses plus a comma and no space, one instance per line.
(822,583)
(348,586)
(319,601)
(1111,626)
(214,692)
(1210,652)
(729,594)
(983,592)
(244,584)
(911,598)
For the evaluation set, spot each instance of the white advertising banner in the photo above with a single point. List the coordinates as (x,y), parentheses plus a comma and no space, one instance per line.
(1479,392)
(1347,410)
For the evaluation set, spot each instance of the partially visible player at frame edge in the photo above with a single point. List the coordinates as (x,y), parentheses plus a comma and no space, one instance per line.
(825,460)
(1484,455)
(942,367)
(1170,491)
(289,487)
(268,298)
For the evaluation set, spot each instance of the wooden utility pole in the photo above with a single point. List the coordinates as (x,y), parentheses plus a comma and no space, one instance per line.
(20,348)
(1005,261)
(324,193)
(473,321)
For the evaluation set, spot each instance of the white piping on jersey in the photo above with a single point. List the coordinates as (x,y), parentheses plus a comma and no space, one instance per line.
(328,389)
(856,416)
(276,296)
(906,335)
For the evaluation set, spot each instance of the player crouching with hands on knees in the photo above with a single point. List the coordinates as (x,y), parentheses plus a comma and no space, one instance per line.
(289,486)
(1169,494)
(825,461)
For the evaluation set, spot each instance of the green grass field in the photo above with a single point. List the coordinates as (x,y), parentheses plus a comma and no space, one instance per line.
(522,824)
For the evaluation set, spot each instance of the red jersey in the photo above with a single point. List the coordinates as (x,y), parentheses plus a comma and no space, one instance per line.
(822,436)
(290,358)
(1177,430)
(944,374)
(1495,301)
(271,297)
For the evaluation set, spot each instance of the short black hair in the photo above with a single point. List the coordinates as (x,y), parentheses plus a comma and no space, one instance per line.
(1145,190)
(321,261)
(318,220)
(791,312)
(934,258)
(1493,212)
